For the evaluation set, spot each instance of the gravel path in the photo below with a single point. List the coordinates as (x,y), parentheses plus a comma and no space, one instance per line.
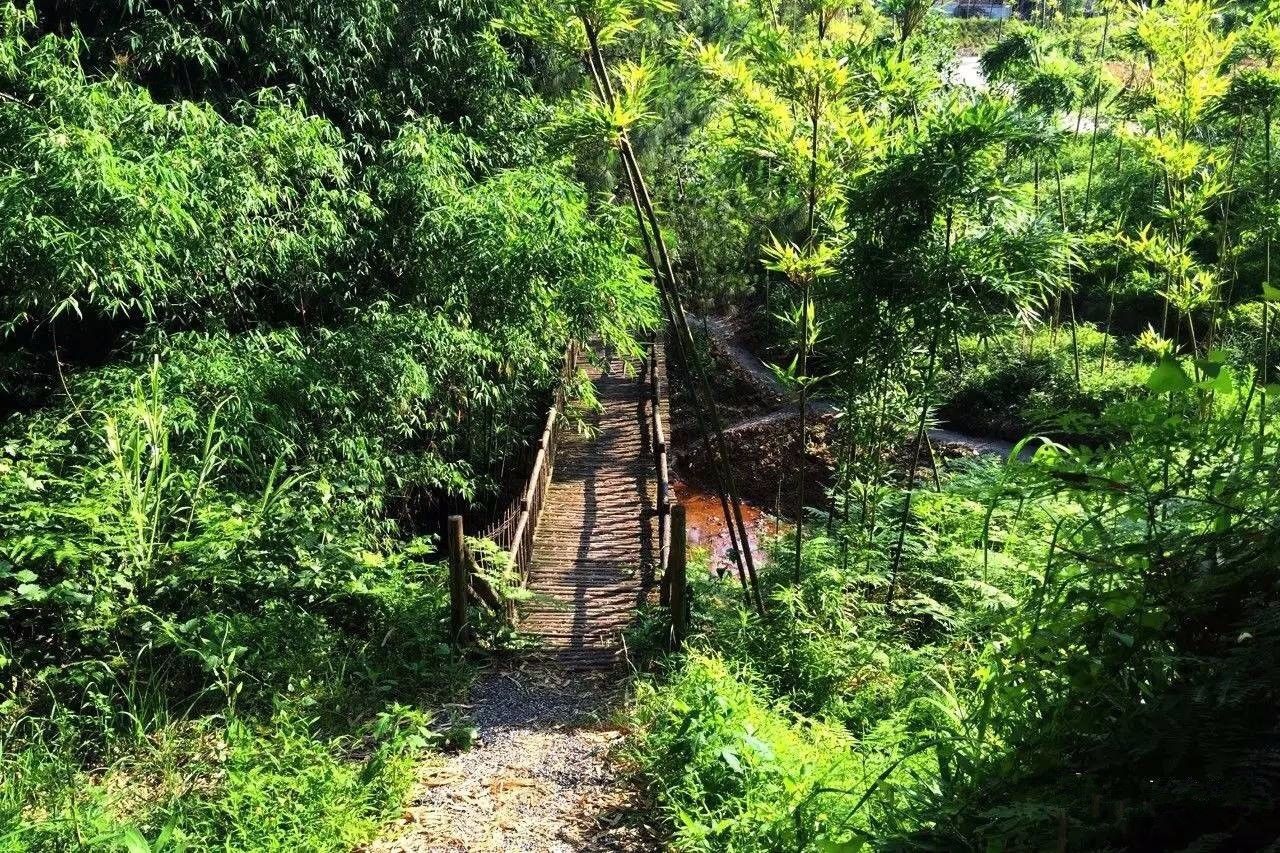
(540,780)
(724,332)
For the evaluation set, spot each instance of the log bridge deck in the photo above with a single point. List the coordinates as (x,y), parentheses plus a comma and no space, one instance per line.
(599,548)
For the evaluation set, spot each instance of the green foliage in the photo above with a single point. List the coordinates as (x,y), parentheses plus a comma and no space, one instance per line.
(364,64)
(1053,653)
(1059,640)
(143,562)
(1245,340)
(517,255)
(735,772)
(1017,384)
(278,786)
(116,205)
(285,278)
(281,275)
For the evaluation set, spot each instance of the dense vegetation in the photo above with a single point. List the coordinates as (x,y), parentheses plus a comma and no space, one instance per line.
(1071,648)
(261,313)
(283,279)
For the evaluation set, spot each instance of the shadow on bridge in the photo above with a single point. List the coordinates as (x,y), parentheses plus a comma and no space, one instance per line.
(595,552)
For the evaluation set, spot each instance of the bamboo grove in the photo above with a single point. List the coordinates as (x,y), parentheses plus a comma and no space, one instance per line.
(1035,652)
(282,281)
(278,280)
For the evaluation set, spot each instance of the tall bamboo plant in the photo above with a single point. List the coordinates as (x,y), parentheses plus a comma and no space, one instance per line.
(585,31)
(1186,53)
(787,114)
(945,241)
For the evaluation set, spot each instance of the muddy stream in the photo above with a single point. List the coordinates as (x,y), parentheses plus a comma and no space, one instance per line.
(705,527)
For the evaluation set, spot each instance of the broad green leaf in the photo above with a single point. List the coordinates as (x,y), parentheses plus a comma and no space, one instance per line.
(132,842)
(1168,377)
(32,592)
(731,758)
(1222,380)
(1153,619)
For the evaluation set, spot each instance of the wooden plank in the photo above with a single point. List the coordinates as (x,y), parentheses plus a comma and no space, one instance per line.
(595,542)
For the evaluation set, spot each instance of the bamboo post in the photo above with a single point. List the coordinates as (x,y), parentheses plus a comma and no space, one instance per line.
(678,586)
(457,583)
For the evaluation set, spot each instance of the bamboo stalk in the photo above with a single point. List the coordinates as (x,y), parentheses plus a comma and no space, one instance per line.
(719,467)
(679,579)
(675,316)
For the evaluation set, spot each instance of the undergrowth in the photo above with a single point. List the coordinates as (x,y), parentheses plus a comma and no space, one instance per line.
(1042,667)
(274,784)
(273,301)
(1017,383)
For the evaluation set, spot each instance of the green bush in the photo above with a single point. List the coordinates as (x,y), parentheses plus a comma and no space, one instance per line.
(1016,384)
(1242,337)
(239,786)
(282,276)
(118,206)
(364,64)
(734,772)
(1028,667)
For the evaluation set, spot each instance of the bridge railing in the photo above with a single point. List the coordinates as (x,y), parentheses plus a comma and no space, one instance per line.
(661,463)
(514,530)
(671,568)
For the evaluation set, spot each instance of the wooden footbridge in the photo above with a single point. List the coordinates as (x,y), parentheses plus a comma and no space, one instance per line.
(591,536)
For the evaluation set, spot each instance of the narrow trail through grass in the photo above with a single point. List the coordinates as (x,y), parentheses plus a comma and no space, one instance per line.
(542,777)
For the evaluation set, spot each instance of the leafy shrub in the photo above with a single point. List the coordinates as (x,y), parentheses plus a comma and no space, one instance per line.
(246,337)
(1035,675)
(1013,385)
(1242,337)
(121,207)
(276,786)
(734,772)
(141,556)
(364,64)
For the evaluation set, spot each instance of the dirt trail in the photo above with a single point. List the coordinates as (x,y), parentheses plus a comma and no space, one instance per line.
(542,778)
(724,334)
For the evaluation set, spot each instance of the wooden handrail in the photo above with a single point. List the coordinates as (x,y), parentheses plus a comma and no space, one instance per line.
(660,455)
(514,532)
(530,500)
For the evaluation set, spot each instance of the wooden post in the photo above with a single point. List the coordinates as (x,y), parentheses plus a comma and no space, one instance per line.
(458,628)
(664,541)
(678,585)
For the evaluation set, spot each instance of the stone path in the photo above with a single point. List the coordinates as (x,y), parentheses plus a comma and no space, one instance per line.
(543,777)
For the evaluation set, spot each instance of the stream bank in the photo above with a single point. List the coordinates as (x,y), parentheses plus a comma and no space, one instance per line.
(760,425)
